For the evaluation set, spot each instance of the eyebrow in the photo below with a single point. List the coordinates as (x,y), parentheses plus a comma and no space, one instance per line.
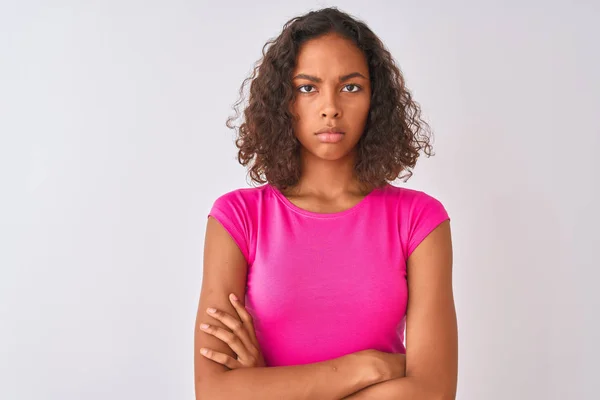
(319,80)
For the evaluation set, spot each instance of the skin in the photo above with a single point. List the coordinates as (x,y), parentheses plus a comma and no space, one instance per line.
(328,184)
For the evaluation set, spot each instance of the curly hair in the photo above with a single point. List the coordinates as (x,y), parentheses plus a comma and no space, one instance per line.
(394,132)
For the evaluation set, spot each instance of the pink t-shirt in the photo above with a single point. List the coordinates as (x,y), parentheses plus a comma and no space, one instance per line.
(320,286)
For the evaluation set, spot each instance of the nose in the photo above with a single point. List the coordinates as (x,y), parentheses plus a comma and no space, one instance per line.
(330,107)
(330,112)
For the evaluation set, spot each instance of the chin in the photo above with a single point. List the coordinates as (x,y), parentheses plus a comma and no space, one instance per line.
(331,154)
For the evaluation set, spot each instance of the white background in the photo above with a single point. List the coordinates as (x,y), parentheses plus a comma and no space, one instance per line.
(113,148)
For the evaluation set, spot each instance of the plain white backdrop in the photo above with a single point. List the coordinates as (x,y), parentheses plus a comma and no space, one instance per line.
(113,148)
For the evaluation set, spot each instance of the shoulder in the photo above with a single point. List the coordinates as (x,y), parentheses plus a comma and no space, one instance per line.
(237,211)
(241,198)
(411,200)
(418,213)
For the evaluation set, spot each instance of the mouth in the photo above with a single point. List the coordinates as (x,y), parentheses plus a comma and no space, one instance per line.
(330,137)
(330,132)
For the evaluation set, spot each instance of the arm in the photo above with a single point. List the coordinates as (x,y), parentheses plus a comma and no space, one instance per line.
(431,327)
(397,389)
(331,379)
(225,272)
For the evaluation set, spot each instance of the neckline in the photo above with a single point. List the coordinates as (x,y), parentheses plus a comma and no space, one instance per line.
(314,214)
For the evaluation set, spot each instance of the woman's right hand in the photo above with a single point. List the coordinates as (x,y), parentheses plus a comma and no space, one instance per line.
(389,365)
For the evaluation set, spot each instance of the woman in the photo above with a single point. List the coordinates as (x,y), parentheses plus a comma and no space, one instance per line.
(310,274)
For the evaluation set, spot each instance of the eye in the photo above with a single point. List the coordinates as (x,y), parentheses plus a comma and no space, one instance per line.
(355,89)
(358,88)
(305,86)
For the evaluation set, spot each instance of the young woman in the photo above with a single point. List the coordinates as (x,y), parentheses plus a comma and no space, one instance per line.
(314,276)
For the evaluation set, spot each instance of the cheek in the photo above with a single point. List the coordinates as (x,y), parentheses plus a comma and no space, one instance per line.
(302,114)
(361,105)
(300,107)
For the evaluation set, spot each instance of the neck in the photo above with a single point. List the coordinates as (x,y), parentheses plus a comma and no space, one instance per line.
(328,178)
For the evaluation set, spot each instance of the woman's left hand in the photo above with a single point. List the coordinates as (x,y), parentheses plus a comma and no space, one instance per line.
(242,338)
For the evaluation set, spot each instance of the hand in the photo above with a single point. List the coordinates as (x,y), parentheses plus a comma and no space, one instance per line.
(242,338)
(390,365)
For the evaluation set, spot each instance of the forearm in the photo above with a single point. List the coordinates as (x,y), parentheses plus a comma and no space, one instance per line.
(332,379)
(407,388)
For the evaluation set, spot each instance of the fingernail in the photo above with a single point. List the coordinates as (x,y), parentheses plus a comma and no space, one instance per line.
(211,310)
(234,297)
(204,351)
(203,326)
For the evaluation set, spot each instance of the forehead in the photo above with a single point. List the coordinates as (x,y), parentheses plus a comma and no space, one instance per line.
(330,54)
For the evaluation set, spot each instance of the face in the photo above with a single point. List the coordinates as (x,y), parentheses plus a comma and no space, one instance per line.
(332,90)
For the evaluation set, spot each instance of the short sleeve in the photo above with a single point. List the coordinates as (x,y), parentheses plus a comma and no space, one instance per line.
(229,209)
(426,214)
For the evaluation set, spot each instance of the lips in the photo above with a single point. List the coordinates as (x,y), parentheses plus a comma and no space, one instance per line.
(330,137)
(329,130)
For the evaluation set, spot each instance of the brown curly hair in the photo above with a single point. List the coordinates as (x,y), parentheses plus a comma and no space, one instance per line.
(394,133)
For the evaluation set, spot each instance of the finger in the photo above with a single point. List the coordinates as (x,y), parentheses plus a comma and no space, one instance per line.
(239,332)
(231,339)
(220,358)
(245,317)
